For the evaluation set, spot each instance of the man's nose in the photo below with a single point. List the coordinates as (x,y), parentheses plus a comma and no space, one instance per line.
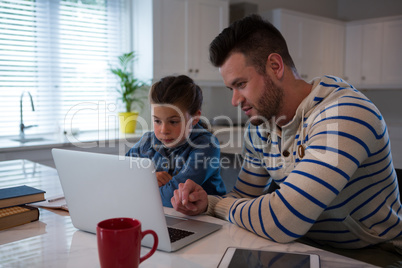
(237,98)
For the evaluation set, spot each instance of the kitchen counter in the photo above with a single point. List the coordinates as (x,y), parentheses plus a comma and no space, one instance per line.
(395,135)
(40,150)
(85,140)
(230,139)
(112,142)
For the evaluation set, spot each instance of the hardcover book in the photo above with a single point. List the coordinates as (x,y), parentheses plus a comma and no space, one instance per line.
(17,215)
(20,195)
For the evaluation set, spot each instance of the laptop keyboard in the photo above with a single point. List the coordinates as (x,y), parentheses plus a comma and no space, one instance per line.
(177,234)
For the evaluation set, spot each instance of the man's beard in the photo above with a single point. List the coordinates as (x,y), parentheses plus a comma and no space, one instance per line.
(269,104)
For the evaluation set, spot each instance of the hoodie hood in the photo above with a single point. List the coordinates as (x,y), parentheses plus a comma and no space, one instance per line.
(322,88)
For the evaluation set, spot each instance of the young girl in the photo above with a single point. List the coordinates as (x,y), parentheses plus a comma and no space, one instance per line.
(180,146)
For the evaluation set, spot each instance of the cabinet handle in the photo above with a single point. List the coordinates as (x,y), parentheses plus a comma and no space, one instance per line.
(304,76)
(363,78)
(196,70)
(190,71)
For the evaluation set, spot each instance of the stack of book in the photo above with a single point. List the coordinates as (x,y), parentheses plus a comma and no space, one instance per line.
(13,209)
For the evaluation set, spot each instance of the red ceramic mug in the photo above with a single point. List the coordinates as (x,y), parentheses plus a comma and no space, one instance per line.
(119,242)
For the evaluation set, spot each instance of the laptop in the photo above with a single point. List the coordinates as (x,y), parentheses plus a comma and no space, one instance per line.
(100,186)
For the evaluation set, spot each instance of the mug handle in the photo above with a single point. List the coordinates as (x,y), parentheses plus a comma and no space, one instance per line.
(152,251)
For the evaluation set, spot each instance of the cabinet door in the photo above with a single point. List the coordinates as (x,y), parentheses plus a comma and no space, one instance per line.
(316,45)
(301,35)
(209,19)
(183,31)
(171,37)
(392,55)
(333,37)
(372,37)
(363,55)
(291,29)
(312,45)
(353,54)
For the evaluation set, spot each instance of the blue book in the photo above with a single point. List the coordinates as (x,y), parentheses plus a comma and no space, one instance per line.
(20,195)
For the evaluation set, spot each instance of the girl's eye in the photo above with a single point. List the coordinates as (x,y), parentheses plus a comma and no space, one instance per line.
(174,122)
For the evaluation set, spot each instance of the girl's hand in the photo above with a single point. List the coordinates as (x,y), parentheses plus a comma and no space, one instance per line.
(163,177)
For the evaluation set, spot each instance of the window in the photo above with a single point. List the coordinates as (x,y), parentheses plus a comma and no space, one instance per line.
(60,52)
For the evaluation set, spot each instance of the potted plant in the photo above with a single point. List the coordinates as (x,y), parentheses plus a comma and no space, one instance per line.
(131,92)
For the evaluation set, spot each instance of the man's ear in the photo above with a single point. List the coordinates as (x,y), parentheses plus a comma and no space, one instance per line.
(275,65)
(196,117)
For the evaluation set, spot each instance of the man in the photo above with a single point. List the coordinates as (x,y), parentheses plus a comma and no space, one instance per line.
(324,143)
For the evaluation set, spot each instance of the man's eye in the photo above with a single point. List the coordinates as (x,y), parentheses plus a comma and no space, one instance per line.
(157,121)
(241,85)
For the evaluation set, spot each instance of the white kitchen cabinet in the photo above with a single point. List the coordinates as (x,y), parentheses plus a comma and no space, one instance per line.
(372,53)
(333,48)
(316,44)
(392,54)
(353,55)
(363,54)
(176,35)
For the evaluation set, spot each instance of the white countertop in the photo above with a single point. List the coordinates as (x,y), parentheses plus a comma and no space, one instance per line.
(60,140)
(231,140)
(54,242)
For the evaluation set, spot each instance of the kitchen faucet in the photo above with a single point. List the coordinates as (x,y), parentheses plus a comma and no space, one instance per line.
(22,126)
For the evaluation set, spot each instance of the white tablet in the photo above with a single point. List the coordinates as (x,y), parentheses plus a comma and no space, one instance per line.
(243,257)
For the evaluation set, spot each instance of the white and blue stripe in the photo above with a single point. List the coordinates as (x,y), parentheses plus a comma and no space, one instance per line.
(343,192)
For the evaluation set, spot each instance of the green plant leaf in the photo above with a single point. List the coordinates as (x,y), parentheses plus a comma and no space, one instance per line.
(131,89)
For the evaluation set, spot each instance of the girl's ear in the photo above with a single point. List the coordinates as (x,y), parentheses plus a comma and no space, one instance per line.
(196,117)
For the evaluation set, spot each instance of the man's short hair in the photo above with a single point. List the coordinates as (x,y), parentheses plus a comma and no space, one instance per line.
(255,38)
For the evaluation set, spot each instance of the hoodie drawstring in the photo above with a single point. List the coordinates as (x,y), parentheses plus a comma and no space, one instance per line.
(300,148)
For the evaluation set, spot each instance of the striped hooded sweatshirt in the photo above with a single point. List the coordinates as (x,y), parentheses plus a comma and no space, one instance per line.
(333,165)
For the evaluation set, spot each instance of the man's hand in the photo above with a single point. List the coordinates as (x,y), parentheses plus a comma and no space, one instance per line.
(190,198)
(163,177)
